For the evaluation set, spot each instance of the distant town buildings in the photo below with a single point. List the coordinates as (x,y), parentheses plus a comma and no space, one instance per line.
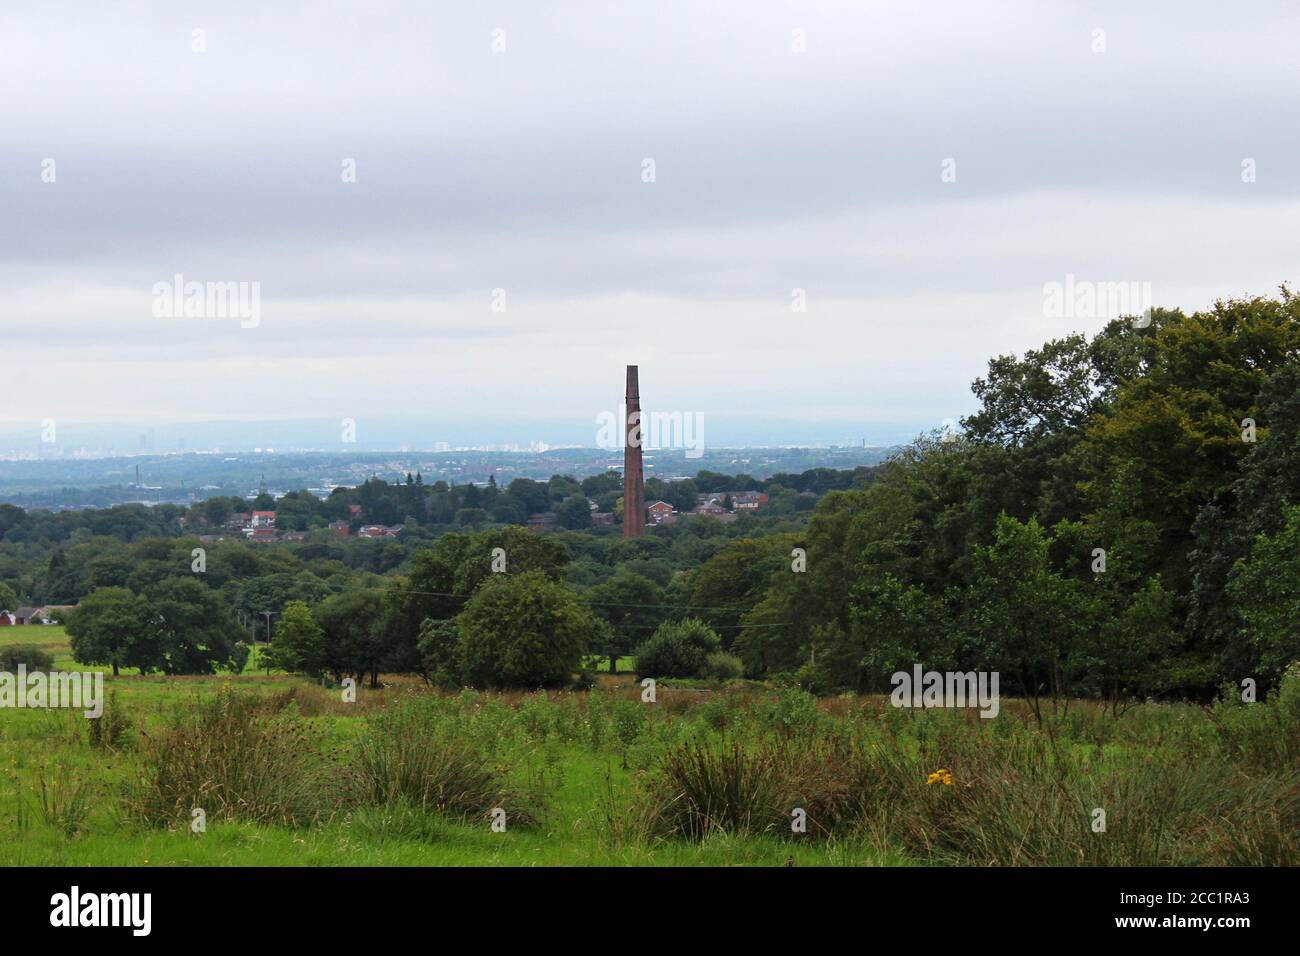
(722,506)
(24,616)
(379,531)
(740,500)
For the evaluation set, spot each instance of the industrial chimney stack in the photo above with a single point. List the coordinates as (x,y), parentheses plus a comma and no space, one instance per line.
(633,471)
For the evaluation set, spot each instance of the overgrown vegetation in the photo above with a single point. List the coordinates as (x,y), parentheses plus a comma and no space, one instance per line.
(739,775)
(233,757)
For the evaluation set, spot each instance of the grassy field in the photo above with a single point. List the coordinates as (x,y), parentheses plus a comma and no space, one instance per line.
(288,773)
(53,639)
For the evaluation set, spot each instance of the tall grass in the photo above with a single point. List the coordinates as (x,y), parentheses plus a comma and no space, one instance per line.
(683,779)
(946,789)
(234,759)
(408,755)
(63,800)
(111,730)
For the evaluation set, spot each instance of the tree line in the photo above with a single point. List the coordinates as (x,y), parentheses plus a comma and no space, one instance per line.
(1118,519)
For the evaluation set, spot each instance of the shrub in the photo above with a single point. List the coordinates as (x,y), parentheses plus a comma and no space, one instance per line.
(722,666)
(733,785)
(703,788)
(945,789)
(31,656)
(408,754)
(1266,735)
(677,649)
(792,713)
(231,757)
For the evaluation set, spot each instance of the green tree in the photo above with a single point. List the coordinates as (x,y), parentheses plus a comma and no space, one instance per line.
(426,593)
(1226,529)
(531,494)
(193,630)
(523,630)
(299,644)
(1129,652)
(734,580)
(574,513)
(632,605)
(1178,422)
(1027,617)
(439,647)
(521,549)
(351,623)
(892,627)
(109,627)
(1263,589)
(677,649)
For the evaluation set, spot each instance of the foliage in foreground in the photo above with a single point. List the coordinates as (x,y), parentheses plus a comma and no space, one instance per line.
(697,776)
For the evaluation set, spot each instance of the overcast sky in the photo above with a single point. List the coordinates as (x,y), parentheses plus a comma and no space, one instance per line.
(783,160)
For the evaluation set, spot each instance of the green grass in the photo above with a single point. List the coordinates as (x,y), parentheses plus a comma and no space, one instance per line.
(51,744)
(599,766)
(601,664)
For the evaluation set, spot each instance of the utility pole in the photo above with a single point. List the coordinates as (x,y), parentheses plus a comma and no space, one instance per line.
(267,615)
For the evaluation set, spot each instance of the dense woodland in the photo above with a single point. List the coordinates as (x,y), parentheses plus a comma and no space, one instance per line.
(1119,519)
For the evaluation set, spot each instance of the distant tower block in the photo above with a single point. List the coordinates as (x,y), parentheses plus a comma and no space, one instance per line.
(633,471)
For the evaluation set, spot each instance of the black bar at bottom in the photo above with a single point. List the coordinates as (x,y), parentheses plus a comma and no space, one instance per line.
(921,905)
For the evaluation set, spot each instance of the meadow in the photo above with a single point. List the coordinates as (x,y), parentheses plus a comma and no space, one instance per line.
(288,772)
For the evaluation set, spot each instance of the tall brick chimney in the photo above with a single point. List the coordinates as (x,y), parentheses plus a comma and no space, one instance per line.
(633,471)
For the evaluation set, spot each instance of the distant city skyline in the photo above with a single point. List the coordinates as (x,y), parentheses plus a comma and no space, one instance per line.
(114,439)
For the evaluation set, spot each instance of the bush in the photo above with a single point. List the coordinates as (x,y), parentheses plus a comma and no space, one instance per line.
(1265,736)
(31,656)
(705,788)
(233,758)
(734,785)
(677,649)
(722,666)
(409,755)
